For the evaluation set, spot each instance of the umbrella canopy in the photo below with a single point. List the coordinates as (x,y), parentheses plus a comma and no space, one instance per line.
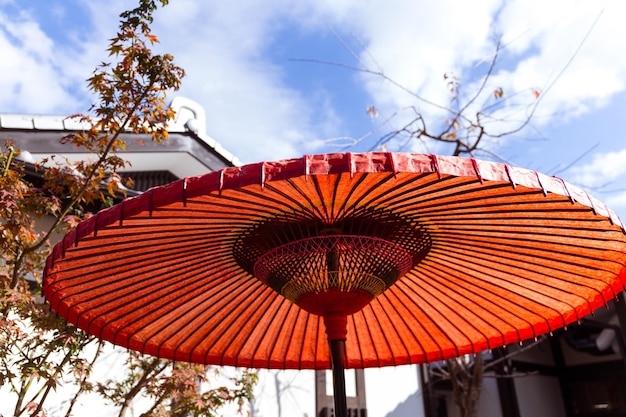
(416,257)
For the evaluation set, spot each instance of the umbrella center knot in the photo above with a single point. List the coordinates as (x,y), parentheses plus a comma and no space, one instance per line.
(346,263)
(332,267)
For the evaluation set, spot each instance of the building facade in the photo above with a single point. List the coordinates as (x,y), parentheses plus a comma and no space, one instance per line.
(575,372)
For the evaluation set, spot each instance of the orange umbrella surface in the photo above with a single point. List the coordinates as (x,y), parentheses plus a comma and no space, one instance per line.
(408,258)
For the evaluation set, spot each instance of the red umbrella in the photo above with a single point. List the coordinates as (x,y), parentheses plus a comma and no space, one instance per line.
(393,258)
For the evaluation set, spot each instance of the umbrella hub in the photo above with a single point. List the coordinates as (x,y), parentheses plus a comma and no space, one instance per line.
(331,267)
(333,272)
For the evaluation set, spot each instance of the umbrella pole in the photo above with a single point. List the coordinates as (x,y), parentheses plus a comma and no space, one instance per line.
(338,359)
(336,333)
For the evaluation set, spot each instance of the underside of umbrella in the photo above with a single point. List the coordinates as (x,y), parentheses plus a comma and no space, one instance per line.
(408,258)
(354,260)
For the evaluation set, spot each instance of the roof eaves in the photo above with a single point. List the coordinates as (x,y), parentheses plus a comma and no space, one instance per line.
(40,122)
(190,118)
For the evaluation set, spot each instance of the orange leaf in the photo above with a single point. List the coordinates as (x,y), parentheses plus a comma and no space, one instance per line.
(152,38)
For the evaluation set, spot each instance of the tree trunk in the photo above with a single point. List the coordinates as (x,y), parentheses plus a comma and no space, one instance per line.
(467,382)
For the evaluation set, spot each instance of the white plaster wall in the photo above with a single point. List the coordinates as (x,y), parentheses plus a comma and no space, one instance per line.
(393,392)
(284,394)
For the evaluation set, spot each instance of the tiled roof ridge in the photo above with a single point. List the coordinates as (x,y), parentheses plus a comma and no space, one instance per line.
(190,118)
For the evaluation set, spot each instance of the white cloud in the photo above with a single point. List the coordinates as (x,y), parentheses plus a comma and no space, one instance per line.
(547,35)
(30,80)
(250,109)
(604,177)
(40,72)
(416,43)
(617,202)
(604,169)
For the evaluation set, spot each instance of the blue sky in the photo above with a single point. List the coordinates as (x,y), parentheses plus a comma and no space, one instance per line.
(243,63)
